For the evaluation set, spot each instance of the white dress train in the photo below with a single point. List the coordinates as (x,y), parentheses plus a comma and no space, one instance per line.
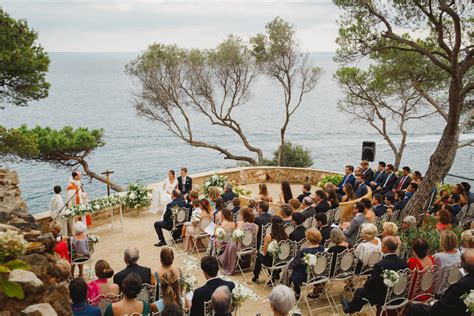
(161,195)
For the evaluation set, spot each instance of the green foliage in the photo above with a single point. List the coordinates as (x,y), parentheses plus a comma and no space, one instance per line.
(240,190)
(138,195)
(45,144)
(23,63)
(292,156)
(11,289)
(335,179)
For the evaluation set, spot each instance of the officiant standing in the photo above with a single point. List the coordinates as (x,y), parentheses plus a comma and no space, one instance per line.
(185,183)
(75,194)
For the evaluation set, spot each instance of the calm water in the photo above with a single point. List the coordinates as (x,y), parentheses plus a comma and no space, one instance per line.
(91,90)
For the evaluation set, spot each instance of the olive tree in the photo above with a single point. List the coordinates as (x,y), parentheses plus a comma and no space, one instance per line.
(443,40)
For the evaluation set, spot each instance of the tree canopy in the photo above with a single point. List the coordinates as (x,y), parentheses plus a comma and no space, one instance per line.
(23,63)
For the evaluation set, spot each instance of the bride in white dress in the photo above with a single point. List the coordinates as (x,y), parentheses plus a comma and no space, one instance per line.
(162,193)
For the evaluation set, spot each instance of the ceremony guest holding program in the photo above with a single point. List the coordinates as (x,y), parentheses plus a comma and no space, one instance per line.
(374,289)
(56,206)
(167,222)
(210,267)
(131,256)
(185,183)
(347,179)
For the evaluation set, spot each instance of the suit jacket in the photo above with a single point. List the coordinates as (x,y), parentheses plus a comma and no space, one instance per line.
(188,185)
(308,212)
(405,183)
(361,190)
(323,207)
(143,272)
(374,286)
(298,233)
(302,196)
(228,196)
(450,303)
(167,217)
(347,179)
(368,175)
(401,204)
(380,178)
(261,220)
(351,232)
(380,210)
(390,184)
(204,293)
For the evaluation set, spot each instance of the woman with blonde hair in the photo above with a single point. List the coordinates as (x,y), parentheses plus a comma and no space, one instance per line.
(467,239)
(170,291)
(214,195)
(263,192)
(101,285)
(370,245)
(448,243)
(295,205)
(391,229)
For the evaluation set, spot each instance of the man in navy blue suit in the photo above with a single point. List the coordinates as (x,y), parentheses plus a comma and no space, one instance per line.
(389,182)
(167,222)
(377,205)
(380,176)
(361,187)
(348,178)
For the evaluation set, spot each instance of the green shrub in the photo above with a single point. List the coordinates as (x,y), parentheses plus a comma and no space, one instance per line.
(336,179)
(292,156)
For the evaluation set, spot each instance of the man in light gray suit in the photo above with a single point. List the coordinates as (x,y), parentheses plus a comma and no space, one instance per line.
(359,219)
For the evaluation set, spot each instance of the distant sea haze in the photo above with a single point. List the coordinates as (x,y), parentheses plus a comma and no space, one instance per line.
(92,90)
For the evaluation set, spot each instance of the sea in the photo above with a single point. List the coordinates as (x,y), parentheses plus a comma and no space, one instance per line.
(92,90)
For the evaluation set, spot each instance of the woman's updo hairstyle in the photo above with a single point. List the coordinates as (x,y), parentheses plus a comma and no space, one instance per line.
(103,270)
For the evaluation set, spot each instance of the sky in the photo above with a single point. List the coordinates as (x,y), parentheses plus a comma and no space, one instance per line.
(132,25)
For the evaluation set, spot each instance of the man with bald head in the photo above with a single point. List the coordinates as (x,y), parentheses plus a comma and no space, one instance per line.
(374,289)
(221,301)
(450,303)
(131,256)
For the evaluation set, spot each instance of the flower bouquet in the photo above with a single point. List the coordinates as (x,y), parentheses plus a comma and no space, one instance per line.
(195,217)
(190,282)
(468,299)
(239,295)
(220,233)
(137,196)
(274,248)
(310,261)
(94,238)
(390,278)
(214,181)
(237,234)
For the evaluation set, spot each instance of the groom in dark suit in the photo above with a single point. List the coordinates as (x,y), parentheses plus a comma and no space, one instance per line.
(167,222)
(374,290)
(185,183)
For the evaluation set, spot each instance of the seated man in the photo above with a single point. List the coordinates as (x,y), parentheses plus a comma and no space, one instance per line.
(367,172)
(403,182)
(411,189)
(322,205)
(379,177)
(400,200)
(306,192)
(450,303)
(78,294)
(297,220)
(235,205)
(377,205)
(210,267)
(228,194)
(167,222)
(221,301)
(389,182)
(359,218)
(308,208)
(374,289)
(361,186)
(348,178)
(131,256)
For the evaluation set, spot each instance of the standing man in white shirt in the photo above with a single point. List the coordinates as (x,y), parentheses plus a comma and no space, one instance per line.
(56,206)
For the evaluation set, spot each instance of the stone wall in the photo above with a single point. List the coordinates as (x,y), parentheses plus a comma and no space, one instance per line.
(44,294)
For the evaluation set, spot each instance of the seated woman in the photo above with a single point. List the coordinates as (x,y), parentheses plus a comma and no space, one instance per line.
(295,205)
(217,216)
(419,262)
(285,213)
(205,211)
(444,220)
(278,234)
(285,192)
(391,229)
(298,277)
(263,192)
(338,244)
(417,178)
(349,194)
(332,198)
(81,246)
(170,291)
(166,260)
(131,286)
(448,242)
(229,226)
(61,247)
(103,272)
(459,189)
(467,239)
(228,259)
(370,244)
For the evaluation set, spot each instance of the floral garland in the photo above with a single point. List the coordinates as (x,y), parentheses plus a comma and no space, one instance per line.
(94,238)
(310,260)
(137,196)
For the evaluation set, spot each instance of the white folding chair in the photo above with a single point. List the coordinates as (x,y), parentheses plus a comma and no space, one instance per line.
(246,247)
(308,222)
(447,276)
(201,234)
(84,261)
(179,218)
(265,230)
(288,228)
(396,298)
(148,293)
(279,261)
(103,300)
(423,284)
(208,309)
(300,245)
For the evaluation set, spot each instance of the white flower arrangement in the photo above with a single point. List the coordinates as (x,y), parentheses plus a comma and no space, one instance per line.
(93,206)
(240,294)
(468,300)
(175,210)
(196,216)
(137,196)
(390,277)
(309,259)
(214,181)
(220,233)
(295,310)
(94,238)
(237,234)
(240,190)
(274,248)
(190,282)
(12,244)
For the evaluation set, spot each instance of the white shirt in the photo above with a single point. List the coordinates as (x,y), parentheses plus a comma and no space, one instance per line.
(365,249)
(55,206)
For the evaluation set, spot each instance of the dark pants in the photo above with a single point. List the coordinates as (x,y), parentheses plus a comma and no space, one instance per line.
(418,310)
(159,226)
(358,301)
(261,259)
